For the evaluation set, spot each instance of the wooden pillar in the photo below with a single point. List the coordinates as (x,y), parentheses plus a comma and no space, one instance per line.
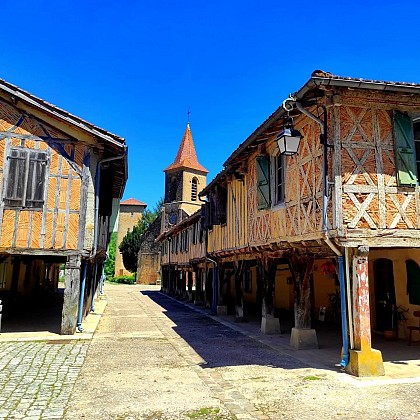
(190,285)
(267,272)
(222,279)
(198,287)
(302,336)
(239,294)
(71,295)
(364,361)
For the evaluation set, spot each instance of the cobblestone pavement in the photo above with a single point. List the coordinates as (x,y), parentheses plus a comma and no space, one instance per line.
(37,378)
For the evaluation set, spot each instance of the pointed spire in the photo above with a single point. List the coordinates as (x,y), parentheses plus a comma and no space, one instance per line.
(186,156)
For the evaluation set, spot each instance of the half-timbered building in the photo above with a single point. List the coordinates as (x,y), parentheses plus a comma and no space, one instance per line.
(59,179)
(333,226)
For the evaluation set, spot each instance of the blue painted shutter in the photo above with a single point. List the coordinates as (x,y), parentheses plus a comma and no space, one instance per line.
(263,182)
(405,156)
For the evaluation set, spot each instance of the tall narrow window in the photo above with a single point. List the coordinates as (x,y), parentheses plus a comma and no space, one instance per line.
(173,188)
(194,189)
(26,178)
(279,176)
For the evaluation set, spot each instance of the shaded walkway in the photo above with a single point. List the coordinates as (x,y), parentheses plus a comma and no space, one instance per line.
(402,362)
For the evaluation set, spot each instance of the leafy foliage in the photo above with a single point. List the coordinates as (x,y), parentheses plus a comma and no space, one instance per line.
(123,279)
(130,245)
(110,262)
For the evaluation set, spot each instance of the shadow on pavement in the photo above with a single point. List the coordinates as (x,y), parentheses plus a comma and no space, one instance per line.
(216,343)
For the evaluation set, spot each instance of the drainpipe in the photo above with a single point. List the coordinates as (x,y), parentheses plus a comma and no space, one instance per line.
(81,298)
(344,330)
(215,287)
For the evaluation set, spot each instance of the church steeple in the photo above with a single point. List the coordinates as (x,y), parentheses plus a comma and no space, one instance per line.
(184,180)
(186,158)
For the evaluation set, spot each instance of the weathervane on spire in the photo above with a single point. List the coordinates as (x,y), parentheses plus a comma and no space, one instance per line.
(188,113)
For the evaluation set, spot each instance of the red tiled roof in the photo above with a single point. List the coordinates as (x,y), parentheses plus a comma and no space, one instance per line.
(186,156)
(132,202)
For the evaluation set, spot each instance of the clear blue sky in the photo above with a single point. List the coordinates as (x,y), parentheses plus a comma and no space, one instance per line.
(134,67)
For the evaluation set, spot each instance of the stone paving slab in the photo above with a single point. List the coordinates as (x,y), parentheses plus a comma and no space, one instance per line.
(37,378)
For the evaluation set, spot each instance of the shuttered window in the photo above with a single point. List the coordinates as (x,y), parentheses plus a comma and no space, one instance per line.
(26,178)
(405,156)
(263,182)
(194,189)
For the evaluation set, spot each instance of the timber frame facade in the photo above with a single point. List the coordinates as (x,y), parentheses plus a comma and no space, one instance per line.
(284,234)
(56,202)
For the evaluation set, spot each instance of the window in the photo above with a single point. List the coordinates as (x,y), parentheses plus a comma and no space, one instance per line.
(405,149)
(263,182)
(26,178)
(413,282)
(194,189)
(279,179)
(172,189)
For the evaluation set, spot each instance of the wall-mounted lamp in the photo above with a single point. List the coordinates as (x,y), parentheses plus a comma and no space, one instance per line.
(288,140)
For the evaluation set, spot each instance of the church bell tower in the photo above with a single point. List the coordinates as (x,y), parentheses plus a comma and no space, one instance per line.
(185,178)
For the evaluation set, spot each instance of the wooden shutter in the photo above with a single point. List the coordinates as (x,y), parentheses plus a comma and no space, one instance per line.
(263,182)
(405,157)
(36,179)
(16,178)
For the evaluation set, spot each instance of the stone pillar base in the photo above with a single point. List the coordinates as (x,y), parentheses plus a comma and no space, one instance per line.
(303,339)
(270,325)
(365,363)
(221,310)
(189,296)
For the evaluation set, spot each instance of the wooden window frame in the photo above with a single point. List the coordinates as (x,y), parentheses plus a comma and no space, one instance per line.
(26,178)
(278,179)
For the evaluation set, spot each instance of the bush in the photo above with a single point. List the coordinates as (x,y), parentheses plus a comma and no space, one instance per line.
(123,279)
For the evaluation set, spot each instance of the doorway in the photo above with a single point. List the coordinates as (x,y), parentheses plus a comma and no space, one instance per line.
(385,303)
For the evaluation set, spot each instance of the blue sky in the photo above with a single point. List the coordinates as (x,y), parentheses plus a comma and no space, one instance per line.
(135,67)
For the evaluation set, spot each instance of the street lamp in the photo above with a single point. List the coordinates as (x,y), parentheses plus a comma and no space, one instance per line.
(288,140)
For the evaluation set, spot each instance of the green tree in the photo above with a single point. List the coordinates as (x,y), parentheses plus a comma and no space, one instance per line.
(130,245)
(109,267)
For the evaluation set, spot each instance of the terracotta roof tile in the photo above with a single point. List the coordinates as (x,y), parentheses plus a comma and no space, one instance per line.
(186,156)
(132,202)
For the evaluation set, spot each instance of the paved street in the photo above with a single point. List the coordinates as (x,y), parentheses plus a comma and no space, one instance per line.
(36,378)
(155,358)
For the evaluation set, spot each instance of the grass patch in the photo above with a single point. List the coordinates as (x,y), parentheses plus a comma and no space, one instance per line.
(311,378)
(203,413)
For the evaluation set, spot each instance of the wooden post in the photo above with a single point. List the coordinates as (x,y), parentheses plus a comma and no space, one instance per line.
(364,361)
(198,287)
(71,295)
(267,272)
(239,294)
(303,336)
(190,285)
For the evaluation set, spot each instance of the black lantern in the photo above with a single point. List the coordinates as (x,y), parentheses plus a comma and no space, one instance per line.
(288,140)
